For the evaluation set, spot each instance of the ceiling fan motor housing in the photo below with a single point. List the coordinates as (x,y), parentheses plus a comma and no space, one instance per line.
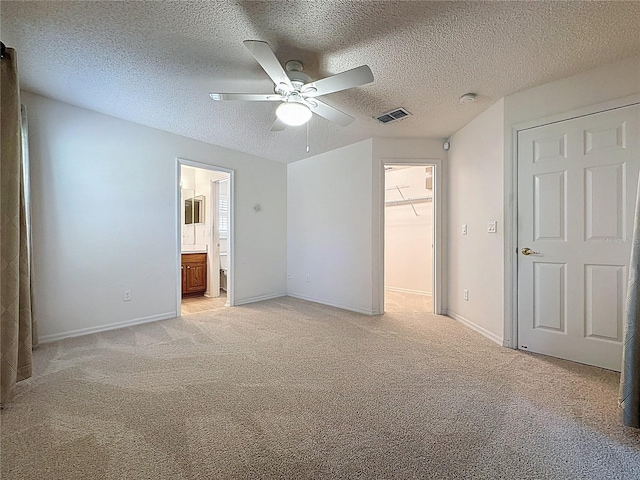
(294,72)
(296,90)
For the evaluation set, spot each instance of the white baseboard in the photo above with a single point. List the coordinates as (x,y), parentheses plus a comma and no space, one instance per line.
(103,328)
(245,301)
(334,304)
(468,323)
(408,290)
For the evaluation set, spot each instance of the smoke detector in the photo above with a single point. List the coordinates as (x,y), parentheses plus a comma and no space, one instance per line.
(467,98)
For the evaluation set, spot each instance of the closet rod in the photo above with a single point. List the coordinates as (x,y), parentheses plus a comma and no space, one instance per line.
(408,201)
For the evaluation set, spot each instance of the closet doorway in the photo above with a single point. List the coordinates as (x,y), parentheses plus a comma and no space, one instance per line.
(409,238)
(204,237)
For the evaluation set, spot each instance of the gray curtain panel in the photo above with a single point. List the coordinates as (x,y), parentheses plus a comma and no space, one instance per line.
(630,379)
(15,276)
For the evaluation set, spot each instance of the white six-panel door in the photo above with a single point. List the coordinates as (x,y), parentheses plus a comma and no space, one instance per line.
(577,184)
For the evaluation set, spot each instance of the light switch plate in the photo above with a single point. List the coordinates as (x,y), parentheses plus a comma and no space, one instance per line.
(492,226)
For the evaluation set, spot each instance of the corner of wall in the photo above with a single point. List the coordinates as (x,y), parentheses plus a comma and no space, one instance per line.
(475,197)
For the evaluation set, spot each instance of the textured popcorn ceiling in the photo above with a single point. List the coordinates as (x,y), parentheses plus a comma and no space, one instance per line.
(154,63)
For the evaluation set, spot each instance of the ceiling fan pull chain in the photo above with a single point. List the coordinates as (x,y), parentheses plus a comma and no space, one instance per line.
(308,136)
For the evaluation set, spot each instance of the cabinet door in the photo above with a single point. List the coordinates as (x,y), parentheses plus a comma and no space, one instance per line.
(196,277)
(194,273)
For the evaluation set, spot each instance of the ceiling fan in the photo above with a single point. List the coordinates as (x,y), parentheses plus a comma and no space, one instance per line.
(295,89)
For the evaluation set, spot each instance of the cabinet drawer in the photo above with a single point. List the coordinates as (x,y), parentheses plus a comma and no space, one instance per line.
(194,258)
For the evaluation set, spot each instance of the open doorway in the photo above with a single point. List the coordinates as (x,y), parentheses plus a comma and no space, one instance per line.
(205,232)
(409,238)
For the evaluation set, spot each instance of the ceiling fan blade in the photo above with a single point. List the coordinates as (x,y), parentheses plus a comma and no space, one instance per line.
(262,52)
(330,113)
(341,81)
(251,97)
(278,125)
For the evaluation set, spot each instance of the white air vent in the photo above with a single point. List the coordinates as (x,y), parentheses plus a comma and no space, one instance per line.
(393,115)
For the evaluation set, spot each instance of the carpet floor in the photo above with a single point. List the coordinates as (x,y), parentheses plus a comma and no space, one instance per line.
(291,389)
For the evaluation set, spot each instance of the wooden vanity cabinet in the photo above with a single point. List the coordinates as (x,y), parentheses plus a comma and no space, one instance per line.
(194,274)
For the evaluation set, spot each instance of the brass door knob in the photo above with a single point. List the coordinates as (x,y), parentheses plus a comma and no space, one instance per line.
(528,251)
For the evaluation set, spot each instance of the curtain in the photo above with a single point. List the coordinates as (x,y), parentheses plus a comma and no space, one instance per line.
(16,321)
(630,378)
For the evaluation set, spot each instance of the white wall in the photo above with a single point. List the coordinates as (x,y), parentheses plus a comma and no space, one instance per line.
(609,82)
(329,227)
(408,230)
(476,260)
(104,196)
(334,221)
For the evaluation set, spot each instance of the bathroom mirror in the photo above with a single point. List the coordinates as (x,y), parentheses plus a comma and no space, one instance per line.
(194,210)
(188,230)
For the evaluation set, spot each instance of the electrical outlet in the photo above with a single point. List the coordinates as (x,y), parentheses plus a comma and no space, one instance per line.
(307,277)
(126,297)
(466,295)
(492,226)
(464,229)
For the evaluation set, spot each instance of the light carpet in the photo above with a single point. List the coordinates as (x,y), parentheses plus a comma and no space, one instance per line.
(290,389)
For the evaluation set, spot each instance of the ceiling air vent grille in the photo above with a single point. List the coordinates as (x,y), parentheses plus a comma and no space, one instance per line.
(393,115)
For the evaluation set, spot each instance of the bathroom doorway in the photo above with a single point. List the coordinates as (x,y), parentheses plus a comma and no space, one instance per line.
(205,232)
(409,238)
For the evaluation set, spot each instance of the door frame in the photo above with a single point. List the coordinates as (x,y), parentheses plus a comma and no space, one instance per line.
(214,235)
(438,243)
(178,232)
(511,205)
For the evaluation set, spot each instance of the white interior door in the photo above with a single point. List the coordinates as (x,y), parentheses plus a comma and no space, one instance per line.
(577,184)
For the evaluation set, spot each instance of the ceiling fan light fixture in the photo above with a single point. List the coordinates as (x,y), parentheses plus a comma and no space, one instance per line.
(293,113)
